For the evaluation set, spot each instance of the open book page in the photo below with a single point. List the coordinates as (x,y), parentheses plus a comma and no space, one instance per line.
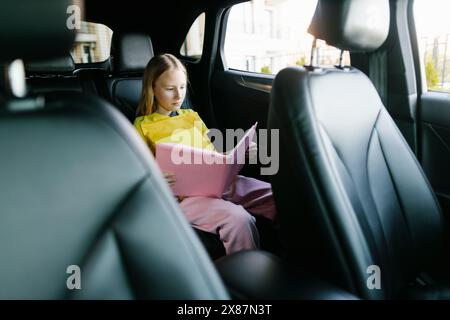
(237,156)
(202,172)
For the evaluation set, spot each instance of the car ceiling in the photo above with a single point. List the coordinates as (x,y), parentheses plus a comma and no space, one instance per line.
(167,21)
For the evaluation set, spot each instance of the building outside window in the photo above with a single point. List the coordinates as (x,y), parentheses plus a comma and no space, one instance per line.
(277,39)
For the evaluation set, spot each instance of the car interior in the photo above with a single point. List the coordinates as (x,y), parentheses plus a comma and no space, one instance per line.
(362,188)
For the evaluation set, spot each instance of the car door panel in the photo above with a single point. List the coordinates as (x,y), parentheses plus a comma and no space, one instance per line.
(240,99)
(435,136)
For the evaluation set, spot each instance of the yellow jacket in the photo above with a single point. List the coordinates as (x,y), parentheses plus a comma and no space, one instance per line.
(185,128)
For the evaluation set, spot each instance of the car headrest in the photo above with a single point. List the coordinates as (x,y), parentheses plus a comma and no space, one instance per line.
(355,25)
(59,66)
(31,29)
(131,52)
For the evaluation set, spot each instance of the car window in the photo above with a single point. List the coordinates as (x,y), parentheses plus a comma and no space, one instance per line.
(92,43)
(266,36)
(433,34)
(193,44)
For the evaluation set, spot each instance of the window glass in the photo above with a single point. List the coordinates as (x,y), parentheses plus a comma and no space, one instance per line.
(433,34)
(193,44)
(92,43)
(266,36)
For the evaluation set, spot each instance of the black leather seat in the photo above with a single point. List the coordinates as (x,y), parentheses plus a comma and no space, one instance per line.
(361,199)
(79,187)
(52,75)
(130,55)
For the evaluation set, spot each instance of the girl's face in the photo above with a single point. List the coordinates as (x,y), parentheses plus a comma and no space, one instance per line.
(170,90)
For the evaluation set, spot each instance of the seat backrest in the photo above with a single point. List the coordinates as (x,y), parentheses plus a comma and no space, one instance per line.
(82,200)
(362,200)
(130,54)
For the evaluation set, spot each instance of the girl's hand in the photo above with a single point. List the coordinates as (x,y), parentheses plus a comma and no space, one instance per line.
(170,178)
(252,152)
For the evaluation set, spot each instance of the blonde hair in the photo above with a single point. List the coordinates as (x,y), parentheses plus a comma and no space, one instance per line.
(155,67)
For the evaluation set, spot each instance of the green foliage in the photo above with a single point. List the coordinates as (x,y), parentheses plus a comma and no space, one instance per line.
(301,61)
(266,70)
(431,74)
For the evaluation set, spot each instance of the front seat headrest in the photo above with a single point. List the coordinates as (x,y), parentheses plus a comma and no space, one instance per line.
(31,29)
(355,25)
(61,66)
(131,52)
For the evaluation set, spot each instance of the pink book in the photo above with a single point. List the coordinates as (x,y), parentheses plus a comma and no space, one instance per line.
(202,172)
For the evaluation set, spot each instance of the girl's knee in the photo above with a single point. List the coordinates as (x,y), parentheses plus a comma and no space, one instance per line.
(240,218)
(239,230)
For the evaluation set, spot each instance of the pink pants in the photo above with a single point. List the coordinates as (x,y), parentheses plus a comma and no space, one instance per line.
(229,217)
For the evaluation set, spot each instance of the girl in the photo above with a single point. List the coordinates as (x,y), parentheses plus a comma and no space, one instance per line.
(163,92)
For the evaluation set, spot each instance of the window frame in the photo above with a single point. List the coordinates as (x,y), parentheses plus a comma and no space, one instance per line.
(222,40)
(194,58)
(419,62)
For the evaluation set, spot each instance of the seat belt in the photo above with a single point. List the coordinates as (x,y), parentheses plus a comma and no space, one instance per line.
(378,73)
(374,65)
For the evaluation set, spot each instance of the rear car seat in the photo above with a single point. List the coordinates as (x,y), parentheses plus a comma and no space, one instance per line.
(131,53)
